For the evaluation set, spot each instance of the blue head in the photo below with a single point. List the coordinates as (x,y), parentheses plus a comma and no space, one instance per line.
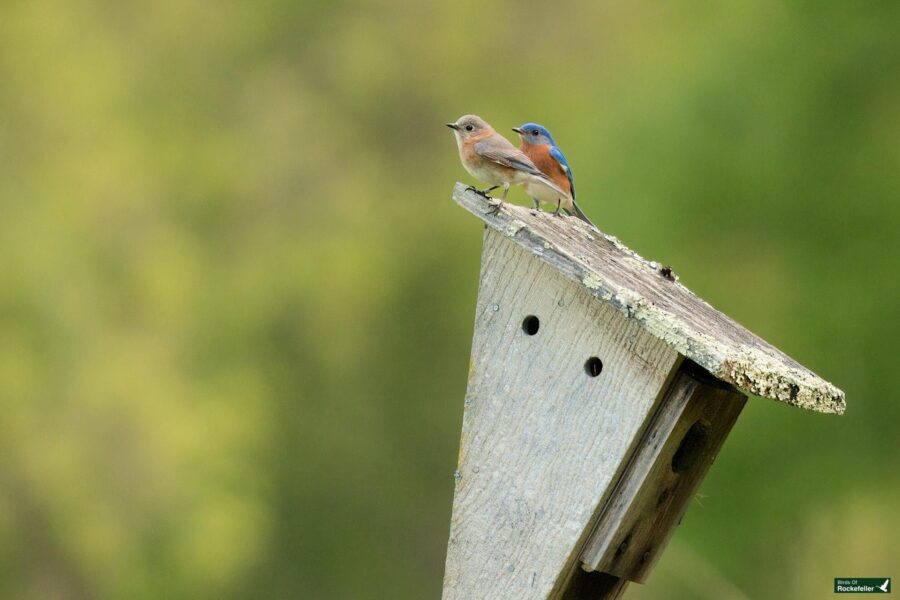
(532,133)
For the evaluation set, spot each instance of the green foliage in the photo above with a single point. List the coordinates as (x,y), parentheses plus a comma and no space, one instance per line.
(236,301)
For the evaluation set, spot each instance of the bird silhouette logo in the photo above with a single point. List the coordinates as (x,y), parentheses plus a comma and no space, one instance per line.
(885,587)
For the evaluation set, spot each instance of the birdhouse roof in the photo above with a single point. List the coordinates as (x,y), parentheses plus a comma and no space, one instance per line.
(647,293)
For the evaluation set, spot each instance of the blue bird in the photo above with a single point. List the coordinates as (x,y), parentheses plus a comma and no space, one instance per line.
(538,145)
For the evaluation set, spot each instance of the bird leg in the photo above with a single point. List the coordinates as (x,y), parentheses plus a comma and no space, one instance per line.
(536,205)
(485,193)
(558,206)
(496,208)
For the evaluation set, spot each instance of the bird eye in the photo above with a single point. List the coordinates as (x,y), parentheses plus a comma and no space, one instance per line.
(469,128)
(535,132)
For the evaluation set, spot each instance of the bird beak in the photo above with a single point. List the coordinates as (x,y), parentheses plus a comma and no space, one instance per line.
(519,131)
(453,126)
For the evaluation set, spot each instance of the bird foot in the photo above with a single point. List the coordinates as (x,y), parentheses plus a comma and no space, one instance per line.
(495,208)
(483,193)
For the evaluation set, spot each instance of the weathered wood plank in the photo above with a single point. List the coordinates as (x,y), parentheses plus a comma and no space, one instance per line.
(676,450)
(542,439)
(666,309)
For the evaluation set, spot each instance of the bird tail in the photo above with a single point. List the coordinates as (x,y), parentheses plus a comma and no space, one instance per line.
(581,215)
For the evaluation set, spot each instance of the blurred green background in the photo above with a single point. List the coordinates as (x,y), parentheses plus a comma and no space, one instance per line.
(237,302)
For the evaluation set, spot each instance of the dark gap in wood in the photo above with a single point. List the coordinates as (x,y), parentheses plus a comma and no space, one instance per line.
(593,585)
(531,324)
(692,446)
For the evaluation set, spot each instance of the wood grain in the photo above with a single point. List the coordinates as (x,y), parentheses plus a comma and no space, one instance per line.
(542,440)
(667,310)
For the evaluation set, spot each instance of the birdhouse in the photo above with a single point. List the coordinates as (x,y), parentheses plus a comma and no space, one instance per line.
(600,391)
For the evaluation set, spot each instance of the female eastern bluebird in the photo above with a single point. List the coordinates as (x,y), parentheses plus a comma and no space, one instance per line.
(538,145)
(489,157)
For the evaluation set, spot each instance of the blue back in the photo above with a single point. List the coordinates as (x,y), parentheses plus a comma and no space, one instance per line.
(557,154)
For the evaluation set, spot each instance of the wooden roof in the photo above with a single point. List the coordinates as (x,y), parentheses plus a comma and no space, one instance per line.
(665,308)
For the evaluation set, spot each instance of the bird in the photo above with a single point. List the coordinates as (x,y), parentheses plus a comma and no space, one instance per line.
(538,145)
(491,158)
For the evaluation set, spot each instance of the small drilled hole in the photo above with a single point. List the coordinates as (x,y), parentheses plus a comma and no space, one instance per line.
(593,366)
(531,324)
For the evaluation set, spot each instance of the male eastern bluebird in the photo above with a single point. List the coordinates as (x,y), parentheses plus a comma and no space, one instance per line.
(538,145)
(489,157)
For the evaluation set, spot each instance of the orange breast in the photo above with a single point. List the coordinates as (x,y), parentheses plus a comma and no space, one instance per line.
(540,156)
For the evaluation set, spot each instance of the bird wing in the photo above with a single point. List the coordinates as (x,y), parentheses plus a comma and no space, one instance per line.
(559,157)
(498,149)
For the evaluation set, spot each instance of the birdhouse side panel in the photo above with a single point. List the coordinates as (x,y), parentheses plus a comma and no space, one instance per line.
(561,386)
